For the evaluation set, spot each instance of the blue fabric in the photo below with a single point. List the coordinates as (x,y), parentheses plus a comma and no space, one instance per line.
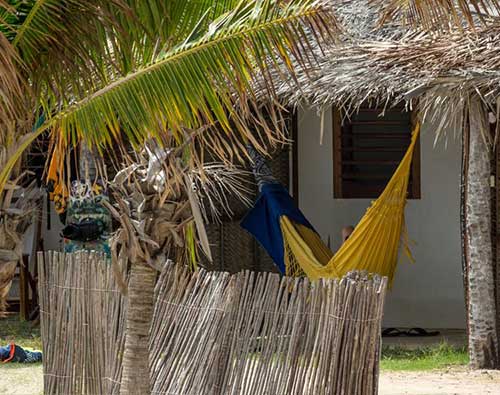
(39,122)
(4,352)
(20,354)
(263,220)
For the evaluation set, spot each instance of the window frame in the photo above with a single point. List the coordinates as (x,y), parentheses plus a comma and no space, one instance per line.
(414,190)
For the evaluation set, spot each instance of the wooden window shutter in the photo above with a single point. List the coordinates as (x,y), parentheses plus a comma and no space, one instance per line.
(367,149)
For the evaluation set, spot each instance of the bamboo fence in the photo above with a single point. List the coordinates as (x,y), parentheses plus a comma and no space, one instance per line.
(212,332)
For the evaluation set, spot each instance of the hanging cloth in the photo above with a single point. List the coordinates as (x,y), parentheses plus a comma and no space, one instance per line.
(56,184)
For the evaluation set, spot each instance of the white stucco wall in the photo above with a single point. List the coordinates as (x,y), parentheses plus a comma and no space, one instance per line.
(429,293)
(52,237)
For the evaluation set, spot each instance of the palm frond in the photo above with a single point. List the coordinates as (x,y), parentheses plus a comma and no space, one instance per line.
(10,82)
(215,184)
(62,40)
(171,22)
(439,15)
(194,17)
(198,82)
(143,29)
(51,25)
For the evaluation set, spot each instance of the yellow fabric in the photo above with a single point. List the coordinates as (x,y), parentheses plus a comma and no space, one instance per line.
(374,244)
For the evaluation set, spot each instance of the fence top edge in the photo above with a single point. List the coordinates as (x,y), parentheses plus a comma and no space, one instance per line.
(353,278)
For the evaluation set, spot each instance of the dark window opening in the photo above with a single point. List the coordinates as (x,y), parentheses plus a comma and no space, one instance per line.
(368,147)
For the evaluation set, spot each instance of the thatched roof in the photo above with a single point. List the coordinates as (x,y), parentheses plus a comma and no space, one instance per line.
(392,64)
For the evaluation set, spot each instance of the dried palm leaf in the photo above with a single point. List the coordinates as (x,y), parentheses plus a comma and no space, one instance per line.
(440,15)
(16,214)
(161,204)
(10,83)
(436,73)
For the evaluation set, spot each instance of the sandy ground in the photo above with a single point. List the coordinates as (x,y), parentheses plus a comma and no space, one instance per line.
(21,379)
(458,381)
(27,380)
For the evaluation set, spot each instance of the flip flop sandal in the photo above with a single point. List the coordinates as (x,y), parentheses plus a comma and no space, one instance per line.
(392,332)
(420,332)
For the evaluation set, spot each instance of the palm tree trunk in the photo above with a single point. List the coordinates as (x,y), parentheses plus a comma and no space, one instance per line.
(483,341)
(135,376)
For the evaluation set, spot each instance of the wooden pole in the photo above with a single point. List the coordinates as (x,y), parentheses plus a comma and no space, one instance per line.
(24,297)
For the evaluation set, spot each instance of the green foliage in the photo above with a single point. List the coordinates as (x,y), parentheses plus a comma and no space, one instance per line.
(197,81)
(142,69)
(423,358)
(12,329)
(12,15)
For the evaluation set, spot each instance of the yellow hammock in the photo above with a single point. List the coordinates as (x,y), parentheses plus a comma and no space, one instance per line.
(374,244)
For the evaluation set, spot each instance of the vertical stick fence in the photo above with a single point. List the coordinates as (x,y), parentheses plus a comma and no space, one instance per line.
(212,332)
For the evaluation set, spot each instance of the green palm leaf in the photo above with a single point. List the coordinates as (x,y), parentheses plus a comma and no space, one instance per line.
(197,82)
(52,26)
(61,40)
(146,28)
(176,21)
(93,42)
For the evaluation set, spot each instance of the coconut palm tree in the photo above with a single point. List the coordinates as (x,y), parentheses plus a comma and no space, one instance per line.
(159,203)
(185,74)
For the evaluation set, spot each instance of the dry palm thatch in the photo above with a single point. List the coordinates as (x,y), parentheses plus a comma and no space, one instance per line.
(391,64)
(439,14)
